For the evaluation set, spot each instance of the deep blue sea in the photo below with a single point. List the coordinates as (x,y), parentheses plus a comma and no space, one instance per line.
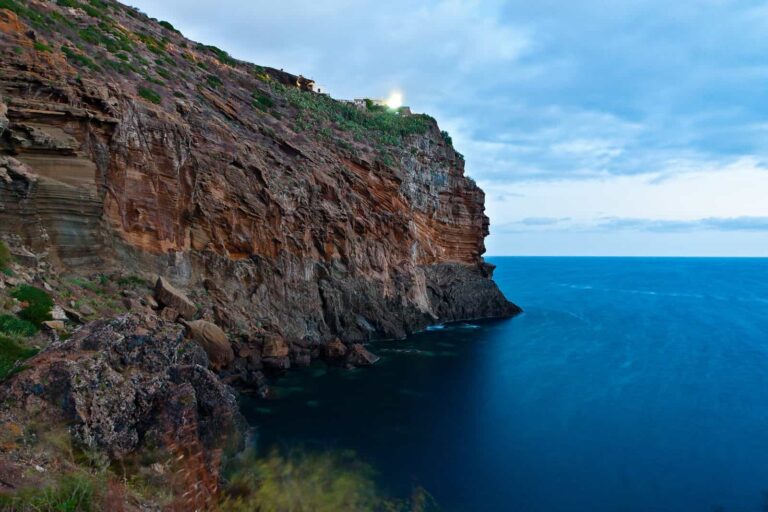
(629,384)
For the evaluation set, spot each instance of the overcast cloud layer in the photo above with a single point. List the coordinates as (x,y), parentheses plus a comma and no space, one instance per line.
(623,127)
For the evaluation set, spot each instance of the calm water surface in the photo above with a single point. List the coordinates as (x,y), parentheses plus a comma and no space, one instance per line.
(629,384)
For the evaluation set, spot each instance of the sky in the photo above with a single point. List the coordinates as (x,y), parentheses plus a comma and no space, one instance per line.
(613,127)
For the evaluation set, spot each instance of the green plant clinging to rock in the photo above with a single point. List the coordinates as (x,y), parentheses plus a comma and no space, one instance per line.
(5,256)
(11,353)
(150,95)
(39,303)
(14,326)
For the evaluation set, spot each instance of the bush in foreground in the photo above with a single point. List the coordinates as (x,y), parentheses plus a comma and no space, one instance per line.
(311,482)
(70,493)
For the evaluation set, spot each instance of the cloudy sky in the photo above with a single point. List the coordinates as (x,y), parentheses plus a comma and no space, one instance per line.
(596,127)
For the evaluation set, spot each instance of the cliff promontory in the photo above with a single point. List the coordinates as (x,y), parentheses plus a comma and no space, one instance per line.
(173,221)
(125,145)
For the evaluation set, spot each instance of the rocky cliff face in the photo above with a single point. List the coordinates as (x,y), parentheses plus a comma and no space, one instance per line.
(124,145)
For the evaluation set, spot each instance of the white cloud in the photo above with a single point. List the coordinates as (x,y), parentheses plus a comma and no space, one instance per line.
(733,190)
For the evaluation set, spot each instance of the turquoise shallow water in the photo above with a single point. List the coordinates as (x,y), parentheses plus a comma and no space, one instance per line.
(629,384)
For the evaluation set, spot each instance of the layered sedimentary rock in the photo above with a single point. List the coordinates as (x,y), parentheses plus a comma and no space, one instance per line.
(124,145)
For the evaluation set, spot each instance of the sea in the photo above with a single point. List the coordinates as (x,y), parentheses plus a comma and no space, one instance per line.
(628,384)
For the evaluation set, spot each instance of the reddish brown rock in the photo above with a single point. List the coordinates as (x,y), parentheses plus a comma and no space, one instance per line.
(169,314)
(314,229)
(360,356)
(335,349)
(274,346)
(169,296)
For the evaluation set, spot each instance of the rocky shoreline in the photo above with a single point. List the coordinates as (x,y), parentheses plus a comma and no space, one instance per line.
(284,226)
(150,384)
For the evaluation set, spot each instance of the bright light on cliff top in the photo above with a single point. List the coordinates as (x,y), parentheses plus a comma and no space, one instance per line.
(395,99)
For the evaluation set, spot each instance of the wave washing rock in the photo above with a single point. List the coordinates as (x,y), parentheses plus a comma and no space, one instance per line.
(124,145)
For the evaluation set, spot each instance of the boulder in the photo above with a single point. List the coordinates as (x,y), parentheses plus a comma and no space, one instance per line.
(360,356)
(54,325)
(58,313)
(86,310)
(169,296)
(335,349)
(274,346)
(214,341)
(73,315)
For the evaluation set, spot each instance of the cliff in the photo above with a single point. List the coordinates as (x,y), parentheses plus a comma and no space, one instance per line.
(124,145)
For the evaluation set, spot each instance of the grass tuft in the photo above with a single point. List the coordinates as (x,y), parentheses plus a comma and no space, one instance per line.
(39,303)
(150,95)
(11,354)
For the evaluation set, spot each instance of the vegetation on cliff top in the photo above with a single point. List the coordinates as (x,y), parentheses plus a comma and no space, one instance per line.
(98,36)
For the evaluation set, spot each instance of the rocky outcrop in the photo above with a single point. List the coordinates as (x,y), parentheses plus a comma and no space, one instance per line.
(126,146)
(172,298)
(214,341)
(360,356)
(126,383)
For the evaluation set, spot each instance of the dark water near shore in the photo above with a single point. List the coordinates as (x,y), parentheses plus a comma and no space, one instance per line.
(629,384)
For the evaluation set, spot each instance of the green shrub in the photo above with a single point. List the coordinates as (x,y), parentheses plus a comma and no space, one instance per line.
(12,353)
(19,8)
(39,303)
(170,27)
(5,255)
(220,54)
(78,58)
(214,81)
(72,493)
(42,47)
(262,101)
(15,326)
(317,482)
(163,73)
(375,122)
(133,280)
(150,95)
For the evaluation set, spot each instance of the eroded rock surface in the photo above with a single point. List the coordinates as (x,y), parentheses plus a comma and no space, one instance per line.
(124,145)
(124,383)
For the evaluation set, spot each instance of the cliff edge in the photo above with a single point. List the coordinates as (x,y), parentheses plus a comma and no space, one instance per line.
(124,145)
